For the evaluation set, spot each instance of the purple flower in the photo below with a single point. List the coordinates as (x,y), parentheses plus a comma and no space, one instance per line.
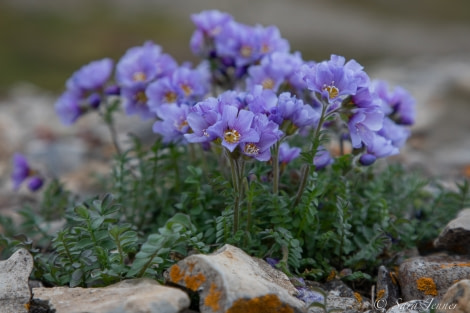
(309,296)
(287,153)
(334,79)
(367,159)
(203,115)
(22,172)
(270,40)
(173,124)
(143,64)
(362,124)
(239,43)
(275,69)
(190,85)
(91,77)
(269,134)
(291,109)
(234,128)
(134,101)
(261,100)
(398,104)
(68,107)
(161,92)
(209,24)
(322,158)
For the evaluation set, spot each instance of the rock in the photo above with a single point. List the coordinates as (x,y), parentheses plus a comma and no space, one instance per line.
(14,276)
(231,281)
(387,287)
(413,306)
(456,234)
(128,296)
(431,276)
(457,298)
(343,304)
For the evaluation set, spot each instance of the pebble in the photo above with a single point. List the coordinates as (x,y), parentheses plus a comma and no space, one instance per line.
(14,289)
(456,235)
(457,298)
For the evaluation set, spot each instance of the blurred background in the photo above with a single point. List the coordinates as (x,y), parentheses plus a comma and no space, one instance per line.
(422,45)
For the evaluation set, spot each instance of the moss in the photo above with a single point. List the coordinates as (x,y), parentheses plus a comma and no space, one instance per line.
(427,286)
(213,298)
(264,304)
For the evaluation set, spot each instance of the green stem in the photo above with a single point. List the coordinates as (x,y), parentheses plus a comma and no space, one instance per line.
(236,186)
(276,168)
(315,144)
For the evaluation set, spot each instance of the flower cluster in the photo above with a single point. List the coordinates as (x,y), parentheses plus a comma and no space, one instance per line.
(23,172)
(249,94)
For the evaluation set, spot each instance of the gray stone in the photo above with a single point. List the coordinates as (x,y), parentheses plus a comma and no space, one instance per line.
(413,306)
(387,287)
(431,276)
(14,289)
(457,298)
(343,304)
(456,235)
(129,296)
(231,281)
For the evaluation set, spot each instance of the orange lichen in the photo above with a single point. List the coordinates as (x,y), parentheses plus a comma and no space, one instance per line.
(176,274)
(213,298)
(264,304)
(380,293)
(193,282)
(393,276)
(467,264)
(358,297)
(427,286)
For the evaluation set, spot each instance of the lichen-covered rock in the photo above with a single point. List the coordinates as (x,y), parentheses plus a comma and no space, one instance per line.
(387,287)
(457,298)
(431,276)
(14,275)
(456,235)
(129,296)
(231,281)
(343,304)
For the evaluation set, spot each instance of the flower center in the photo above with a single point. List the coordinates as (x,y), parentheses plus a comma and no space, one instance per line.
(139,77)
(182,123)
(232,136)
(141,97)
(245,51)
(170,97)
(265,48)
(332,90)
(187,90)
(268,83)
(251,149)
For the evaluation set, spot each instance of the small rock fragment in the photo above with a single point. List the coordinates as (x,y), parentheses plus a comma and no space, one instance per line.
(134,295)
(387,287)
(456,235)
(457,298)
(14,289)
(231,281)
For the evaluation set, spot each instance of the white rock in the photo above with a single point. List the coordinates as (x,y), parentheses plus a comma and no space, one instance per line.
(129,296)
(14,276)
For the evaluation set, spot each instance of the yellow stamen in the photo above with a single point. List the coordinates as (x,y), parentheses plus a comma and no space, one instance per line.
(333,91)
(232,136)
(251,149)
(245,51)
(187,90)
(170,97)
(140,96)
(268,83)
(139,77)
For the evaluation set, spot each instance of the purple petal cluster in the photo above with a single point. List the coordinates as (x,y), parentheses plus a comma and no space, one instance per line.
(22,172)
(84,90)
